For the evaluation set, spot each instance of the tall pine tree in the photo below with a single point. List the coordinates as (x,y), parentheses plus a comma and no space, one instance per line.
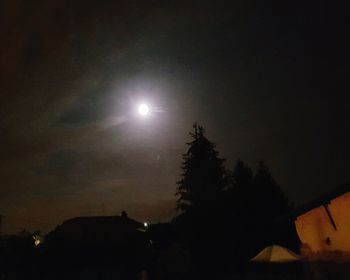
(270,199)
(200,194)
(204,175)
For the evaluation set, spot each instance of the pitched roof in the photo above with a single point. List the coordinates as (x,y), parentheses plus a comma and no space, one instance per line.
(97,227)
(322,200)
(105,221)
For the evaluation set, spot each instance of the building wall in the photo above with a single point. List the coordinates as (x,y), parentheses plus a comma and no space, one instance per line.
(316,231)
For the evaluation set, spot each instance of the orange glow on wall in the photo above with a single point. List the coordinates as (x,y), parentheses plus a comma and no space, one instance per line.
(317,231)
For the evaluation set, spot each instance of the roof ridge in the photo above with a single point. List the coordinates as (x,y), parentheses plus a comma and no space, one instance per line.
(325,198)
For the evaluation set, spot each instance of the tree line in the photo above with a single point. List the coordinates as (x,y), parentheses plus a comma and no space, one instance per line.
(227,216)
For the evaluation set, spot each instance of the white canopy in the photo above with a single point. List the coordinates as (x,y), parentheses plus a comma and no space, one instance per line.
(276,254)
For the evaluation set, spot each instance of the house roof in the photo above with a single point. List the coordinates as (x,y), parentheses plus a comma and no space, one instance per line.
(322,200)
(97,227)
(104,221)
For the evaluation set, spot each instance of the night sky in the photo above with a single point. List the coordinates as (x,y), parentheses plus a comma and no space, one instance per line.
(267,80)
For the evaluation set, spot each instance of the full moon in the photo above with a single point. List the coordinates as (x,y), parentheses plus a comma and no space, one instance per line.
(143,109)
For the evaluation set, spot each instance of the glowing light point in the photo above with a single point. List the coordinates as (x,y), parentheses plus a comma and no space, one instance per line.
(37,240)
(145,224)
(143,110)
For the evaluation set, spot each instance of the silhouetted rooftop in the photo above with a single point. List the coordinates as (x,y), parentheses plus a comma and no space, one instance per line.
(322,200)
(97,228)
(104,220)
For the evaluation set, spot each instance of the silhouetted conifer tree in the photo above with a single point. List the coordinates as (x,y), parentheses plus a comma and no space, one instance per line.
(227,217)
(254,204)
(204,176)
(242,178)
(270,212)
(200,193)
(270,200)
(238,208)
(242,175)
(257,196)
(237,204)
